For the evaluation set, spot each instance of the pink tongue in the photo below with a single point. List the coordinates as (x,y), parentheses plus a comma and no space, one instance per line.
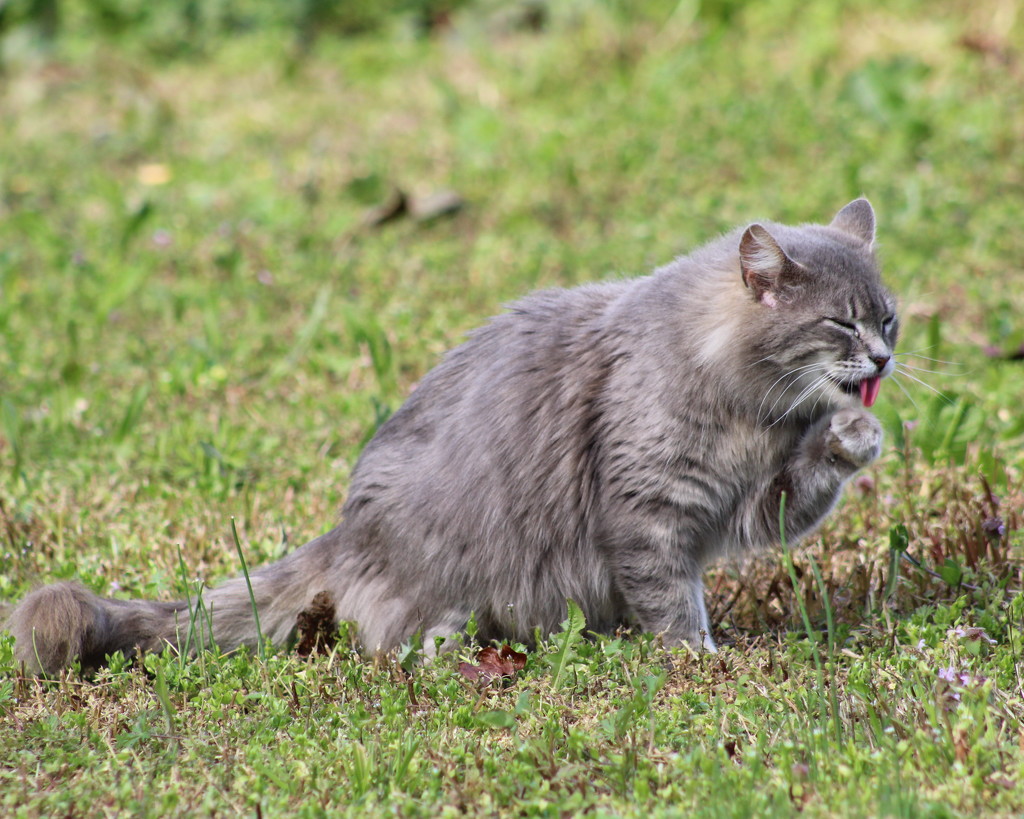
(869,388)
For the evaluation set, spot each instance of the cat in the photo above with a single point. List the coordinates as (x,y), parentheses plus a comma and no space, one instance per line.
(601,444)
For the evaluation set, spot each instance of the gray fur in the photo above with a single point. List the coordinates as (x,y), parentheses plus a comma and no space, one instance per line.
(602,444)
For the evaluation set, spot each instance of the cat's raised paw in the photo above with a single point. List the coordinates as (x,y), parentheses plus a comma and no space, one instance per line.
(854,436)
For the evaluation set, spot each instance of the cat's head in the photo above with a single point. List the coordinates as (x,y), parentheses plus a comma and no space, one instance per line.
(826,326)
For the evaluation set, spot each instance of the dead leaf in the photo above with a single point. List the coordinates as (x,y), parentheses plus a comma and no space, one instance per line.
(493,664)
(961,746)
(988,45)
(316,626)
(395,203)
(394,206)
(435,205)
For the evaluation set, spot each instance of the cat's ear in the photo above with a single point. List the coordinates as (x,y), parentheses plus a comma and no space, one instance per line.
(765,266)
(857,219)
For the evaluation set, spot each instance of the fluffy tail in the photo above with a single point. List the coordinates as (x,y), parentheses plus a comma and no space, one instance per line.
(58,624)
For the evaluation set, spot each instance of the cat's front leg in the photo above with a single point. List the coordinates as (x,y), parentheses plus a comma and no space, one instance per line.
(660,580)
(674,609)
(853,438)
(827,457)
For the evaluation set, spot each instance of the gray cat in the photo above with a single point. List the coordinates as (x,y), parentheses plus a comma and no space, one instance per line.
(601,444)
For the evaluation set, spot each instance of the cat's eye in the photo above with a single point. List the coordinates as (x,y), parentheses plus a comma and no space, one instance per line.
(842,324)
(887,324)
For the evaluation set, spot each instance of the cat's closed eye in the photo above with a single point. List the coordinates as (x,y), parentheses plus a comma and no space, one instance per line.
(846,326)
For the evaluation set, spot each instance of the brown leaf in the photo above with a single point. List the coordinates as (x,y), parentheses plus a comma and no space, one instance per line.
(435,205)
(988,45)
(493,664)
(394,206)
(961,747)
(316,626)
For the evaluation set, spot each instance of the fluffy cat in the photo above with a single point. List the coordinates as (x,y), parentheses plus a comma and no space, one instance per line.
(602,444)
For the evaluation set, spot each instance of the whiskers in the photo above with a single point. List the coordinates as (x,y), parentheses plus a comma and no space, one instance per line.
(907,370)
(821,377)
(917,354)
(803,388)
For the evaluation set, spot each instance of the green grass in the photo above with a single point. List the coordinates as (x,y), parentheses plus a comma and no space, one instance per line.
(197,327)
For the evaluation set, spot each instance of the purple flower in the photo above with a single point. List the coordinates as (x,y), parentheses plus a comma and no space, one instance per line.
(948,674)
(960,678)
(994,527)
(970,633)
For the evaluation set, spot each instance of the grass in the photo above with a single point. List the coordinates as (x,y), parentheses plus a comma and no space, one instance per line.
(198,330)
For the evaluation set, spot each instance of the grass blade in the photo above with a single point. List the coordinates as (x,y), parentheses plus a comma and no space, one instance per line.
(260,643)
(572,627)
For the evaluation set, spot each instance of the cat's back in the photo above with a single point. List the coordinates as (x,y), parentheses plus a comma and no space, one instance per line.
(520,357)
(507,401)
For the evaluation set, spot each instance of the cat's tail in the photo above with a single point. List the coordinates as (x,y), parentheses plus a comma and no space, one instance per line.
(58,624)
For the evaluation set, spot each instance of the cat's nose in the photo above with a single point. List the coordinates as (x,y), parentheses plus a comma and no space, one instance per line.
(880,361)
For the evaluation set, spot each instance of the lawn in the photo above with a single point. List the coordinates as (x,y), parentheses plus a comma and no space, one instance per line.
(229,249)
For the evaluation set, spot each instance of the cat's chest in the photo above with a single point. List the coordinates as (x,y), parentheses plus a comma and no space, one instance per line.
(731,467)
(743,448)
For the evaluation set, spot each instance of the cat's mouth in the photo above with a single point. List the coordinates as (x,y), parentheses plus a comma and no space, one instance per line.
(867,389)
